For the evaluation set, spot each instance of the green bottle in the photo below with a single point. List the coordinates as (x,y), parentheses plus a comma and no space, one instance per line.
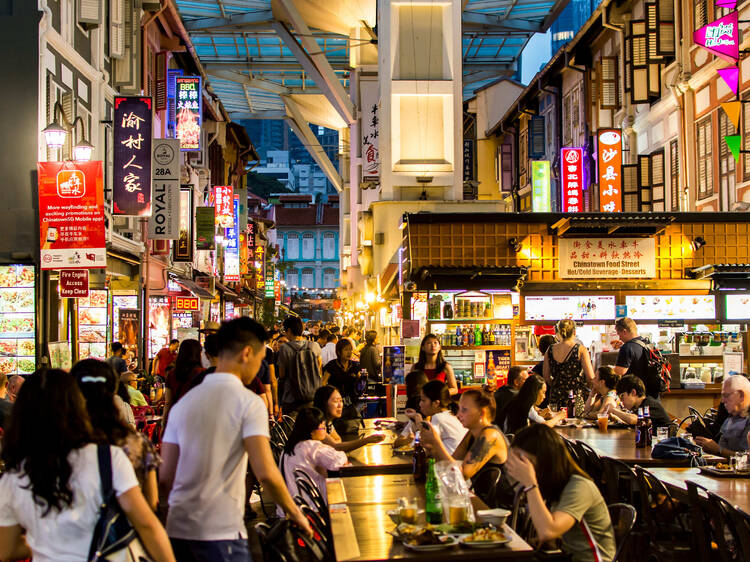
(477,335)
(433,508)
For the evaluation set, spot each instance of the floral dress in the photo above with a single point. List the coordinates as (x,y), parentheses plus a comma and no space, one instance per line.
(567,375)
(141,453)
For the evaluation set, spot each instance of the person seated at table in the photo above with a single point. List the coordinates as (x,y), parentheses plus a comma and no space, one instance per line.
(305,450)
(135,396)
(414,381)
(603,395)
(577,513)
(735,431)
(432,363)
(436,407)
(522,410)
(484,445)
(328,400)
(632,393)
(343,373)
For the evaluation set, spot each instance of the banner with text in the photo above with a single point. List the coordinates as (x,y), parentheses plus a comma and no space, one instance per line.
(164,222)
(131,154)
(609,147)
(606,258)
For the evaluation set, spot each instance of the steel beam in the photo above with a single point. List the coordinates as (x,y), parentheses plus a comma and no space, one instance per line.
(490,22)
(267,114)
(237,20)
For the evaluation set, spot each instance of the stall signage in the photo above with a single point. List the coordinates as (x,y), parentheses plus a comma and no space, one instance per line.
(164,222)
(584,307)
(737,307)
(606,258)
(670,323)
(269,279)
(721,37)
(186,303)
(370,154)
(232,253)
(469,152)
(71,215)
(243,253)
(205,228)
(571,175)
(671,307)
(260,280)
(224,201)
(189,111)
(183,246)
(610,170)
(540,186)
(131,176)
(74,283)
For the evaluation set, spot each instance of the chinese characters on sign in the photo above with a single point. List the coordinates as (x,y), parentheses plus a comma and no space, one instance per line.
(721,37)
(164,223)
(606,258)
(468,159)
(182,249)
(540,186)
(232,254)
(269,279)
(370,155)
(610,170)
(71,215)
(131,177)
(260,281)
(189,111)
(224,201)
(571,175)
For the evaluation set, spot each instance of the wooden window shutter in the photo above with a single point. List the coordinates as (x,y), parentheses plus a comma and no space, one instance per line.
(608,83)
(89,13)
(127,70)
(700,13)
(674,175)
(117,29)
(657,181)
(705,158)
(665,18)
(630,188)
(628,77)
(645,198)
(506,167)
(161,81)
(639,71)
(594,89)
(654,59)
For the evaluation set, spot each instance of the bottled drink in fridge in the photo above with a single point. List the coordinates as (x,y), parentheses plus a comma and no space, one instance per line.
(477,335)
(419,461)
(471,336)
(571,404)
(640,431)
(433,508)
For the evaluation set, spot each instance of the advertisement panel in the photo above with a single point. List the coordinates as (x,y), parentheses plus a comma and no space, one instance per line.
(127,328)
(232,253)
(571,179)
(721,37)
(205,228)
(71,215)
(131,175)
(224,202)
(606,258)
(92,325)
(665,307)
(17,319)
(585,307)
(182,250)
(189,112)
(540,186)
(609,144)
(164,222)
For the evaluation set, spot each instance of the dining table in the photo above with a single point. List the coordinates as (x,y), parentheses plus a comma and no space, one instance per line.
(377,458)
(360,523)
(734,489)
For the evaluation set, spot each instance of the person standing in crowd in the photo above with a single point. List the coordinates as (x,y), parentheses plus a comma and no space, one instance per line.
(343,373)
(116,360)
(5,405)
(98,384)
(433,364)
(522,410)
(633,395)
(188,367)
(51,487)
(322,339)
(14,386)
(545,342)
(122,401)
(165,357)
(369,355)
(632,355)
(207,491)
(329,401)
(299,367)
(208,329)
(328,352)
(567,367)
(135,396)
(517,375)
(735,431)
(563,502)
(314,331)
(603,396)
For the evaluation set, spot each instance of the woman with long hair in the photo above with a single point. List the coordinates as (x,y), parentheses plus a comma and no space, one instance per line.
(343,373)
(577,513)
(432,363)
(188,368)
(329,401)
(51,486)
(98,384)
(567,367)
(521,411)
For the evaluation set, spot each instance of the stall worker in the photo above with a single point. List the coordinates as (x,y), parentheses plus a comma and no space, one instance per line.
(432,363)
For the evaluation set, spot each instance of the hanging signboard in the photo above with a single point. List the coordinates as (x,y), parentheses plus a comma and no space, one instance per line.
(571,179)
(186,303)
(74,283)
(260,281)
(205,228)
(469,159)
(224,201)
(182,249)
(243,253)
(369,125)
(721,37)
(164,222)
(189,112)
(606,258)
(269,279)
(232,254)
(131,176)
(537,143)
(540,186)
(609,144)
(71,215)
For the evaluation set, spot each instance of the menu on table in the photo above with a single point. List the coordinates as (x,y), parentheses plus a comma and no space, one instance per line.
(660,307)
(92,325)
(17,320)
(571,307)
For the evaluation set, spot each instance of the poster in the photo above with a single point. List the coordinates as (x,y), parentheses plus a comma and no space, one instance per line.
(571,175)
(17,319)
(131,176)
(127,334)
(369,127)
(118,302)
(71,215)
(393,364)
(182,250)
(189,112)
(497,365)
(158,324)
(164,222)
(60,356)
(540,186)
(92,325)
(606,258)
(609,142)
(205,228)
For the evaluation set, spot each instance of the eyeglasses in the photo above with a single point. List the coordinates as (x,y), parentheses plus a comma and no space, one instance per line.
(727,394)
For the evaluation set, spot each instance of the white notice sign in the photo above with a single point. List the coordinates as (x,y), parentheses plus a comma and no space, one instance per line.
(606,258)
(164,223)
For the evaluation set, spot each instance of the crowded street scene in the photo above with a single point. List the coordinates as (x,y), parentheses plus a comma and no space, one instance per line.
(373,280)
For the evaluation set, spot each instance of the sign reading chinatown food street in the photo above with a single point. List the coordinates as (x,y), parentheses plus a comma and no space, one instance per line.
(606,258)
(164,223)
(571,176)
(540,186)
(182,249)
(74,283)
(224,201)
(71,215)
(610,170)
(205,228)
(131,176)
(189,111)
(721,37)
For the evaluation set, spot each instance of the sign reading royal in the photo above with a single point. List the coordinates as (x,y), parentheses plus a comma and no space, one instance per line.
(164,222)
(721,37)
(610,170)
(606,258)
(571,174)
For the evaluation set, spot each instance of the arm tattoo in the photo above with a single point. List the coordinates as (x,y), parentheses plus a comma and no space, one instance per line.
(479,450)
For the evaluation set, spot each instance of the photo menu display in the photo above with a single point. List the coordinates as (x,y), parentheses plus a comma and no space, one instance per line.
(664,307)
(738,307)
(17,320)
(573,308)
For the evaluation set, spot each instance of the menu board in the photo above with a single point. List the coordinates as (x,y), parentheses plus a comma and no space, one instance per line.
(92,325)
(121,301)
(573,308)
(17,320)
(661,307)
(158,324)
(737,307)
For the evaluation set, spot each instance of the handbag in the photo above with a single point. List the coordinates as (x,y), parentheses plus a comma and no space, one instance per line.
(679,448)
(115,539)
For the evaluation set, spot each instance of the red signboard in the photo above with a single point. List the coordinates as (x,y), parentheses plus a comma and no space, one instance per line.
(74,283)
(186,303)
(224,204)
(571,174)
(71,215)
(609,144)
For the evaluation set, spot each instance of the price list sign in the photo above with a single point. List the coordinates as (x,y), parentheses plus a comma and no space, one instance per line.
(189,112)
(131,176)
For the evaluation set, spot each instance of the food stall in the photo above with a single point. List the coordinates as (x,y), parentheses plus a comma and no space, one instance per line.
(17,319)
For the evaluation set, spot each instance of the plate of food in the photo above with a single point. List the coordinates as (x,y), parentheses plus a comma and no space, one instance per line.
(723,470)
(427,540)
(405,450)
(487,537)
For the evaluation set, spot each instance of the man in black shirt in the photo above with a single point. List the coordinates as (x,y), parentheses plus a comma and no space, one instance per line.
(632,358)
(517,375)
(632,394)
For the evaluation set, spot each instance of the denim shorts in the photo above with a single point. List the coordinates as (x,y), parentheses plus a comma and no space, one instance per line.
(211,551)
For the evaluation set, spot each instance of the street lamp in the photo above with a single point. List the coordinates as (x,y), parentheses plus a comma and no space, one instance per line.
(83,150)
(55,134)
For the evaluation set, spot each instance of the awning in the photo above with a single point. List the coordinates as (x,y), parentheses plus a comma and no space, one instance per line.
(469,278)
(723,275)
(388,278)
(193,287)
(611,224)
(228,293)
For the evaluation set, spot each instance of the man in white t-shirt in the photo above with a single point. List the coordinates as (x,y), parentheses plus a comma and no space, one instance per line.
(205,450)
(328,353)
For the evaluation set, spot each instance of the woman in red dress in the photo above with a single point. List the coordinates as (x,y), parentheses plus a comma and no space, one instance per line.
(432,363)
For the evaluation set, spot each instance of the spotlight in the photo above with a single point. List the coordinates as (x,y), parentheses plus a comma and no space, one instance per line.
(515,245)
(698,243)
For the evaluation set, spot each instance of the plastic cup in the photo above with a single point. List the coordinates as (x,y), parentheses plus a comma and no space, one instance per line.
(603,421)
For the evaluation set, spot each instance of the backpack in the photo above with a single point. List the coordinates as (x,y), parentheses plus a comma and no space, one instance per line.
(679,449)
(657,368)
(303,378)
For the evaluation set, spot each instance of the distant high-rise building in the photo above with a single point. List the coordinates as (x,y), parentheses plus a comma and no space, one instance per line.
(570,20)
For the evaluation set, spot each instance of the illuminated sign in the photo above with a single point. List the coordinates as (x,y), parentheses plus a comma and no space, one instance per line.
(224,202)
(186,303)
(610,170)
(189,111)
(182,248)
(232,254)
(260,281)
(540,186)
(571,178)
(131,153)
(572,307)
(721,37)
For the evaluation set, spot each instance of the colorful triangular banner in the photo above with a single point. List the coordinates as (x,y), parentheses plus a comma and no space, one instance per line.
(721,37)
(733,109)
(733,142)
(729,4)
(731,75)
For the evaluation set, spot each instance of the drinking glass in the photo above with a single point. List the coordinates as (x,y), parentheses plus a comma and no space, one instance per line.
(603,421)
(458,511)
(408,510)
(662,433)
(553,408)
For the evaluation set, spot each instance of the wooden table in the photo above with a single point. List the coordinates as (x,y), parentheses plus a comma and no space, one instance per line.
(376,458)
(735,490)
(360,523)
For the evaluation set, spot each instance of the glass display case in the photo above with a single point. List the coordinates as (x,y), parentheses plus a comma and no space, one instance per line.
(17,319)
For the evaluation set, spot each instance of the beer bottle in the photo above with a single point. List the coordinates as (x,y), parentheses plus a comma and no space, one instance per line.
(648,425)
(640,433)
(477,335)
(433,509)
(571,404)
(419,461)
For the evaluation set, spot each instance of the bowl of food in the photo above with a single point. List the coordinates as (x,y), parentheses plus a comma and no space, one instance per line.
(488,537)
(494,517)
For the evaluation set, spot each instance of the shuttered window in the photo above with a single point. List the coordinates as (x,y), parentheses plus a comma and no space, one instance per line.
(657,182)
(608,83)
(700,13)
(89,13)
(645,197)
(308,246)
(745,124)
(665,17)
(506,167)
(292,278)
(292,246)
(654,59)
(160,78)
(630,188)
(308,278)
(639,70)
(674,175)
(705,165)
(329,278)
(329,246)
(116,28)
(726,162)
(523,158)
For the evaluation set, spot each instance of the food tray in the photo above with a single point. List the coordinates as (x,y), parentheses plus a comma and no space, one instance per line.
(717,473)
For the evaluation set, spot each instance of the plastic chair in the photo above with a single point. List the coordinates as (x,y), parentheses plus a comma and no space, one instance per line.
(623,518)
(301,474)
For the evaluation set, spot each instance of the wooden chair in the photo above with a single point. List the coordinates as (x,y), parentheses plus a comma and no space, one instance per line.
(623,518)
(700,521)
(723,530)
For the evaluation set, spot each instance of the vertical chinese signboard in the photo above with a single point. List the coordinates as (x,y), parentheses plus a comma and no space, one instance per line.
(269,278)
(224,201)
(540,186)
(164,223)
(71,215)
(243,253)
(571,179)
(370,154)
(260,280)
(131,176)
(232,253)
(182,250)
(189,112)
(609,143)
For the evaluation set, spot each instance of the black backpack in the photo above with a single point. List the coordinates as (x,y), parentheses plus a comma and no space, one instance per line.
(657,368)
(303,378)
